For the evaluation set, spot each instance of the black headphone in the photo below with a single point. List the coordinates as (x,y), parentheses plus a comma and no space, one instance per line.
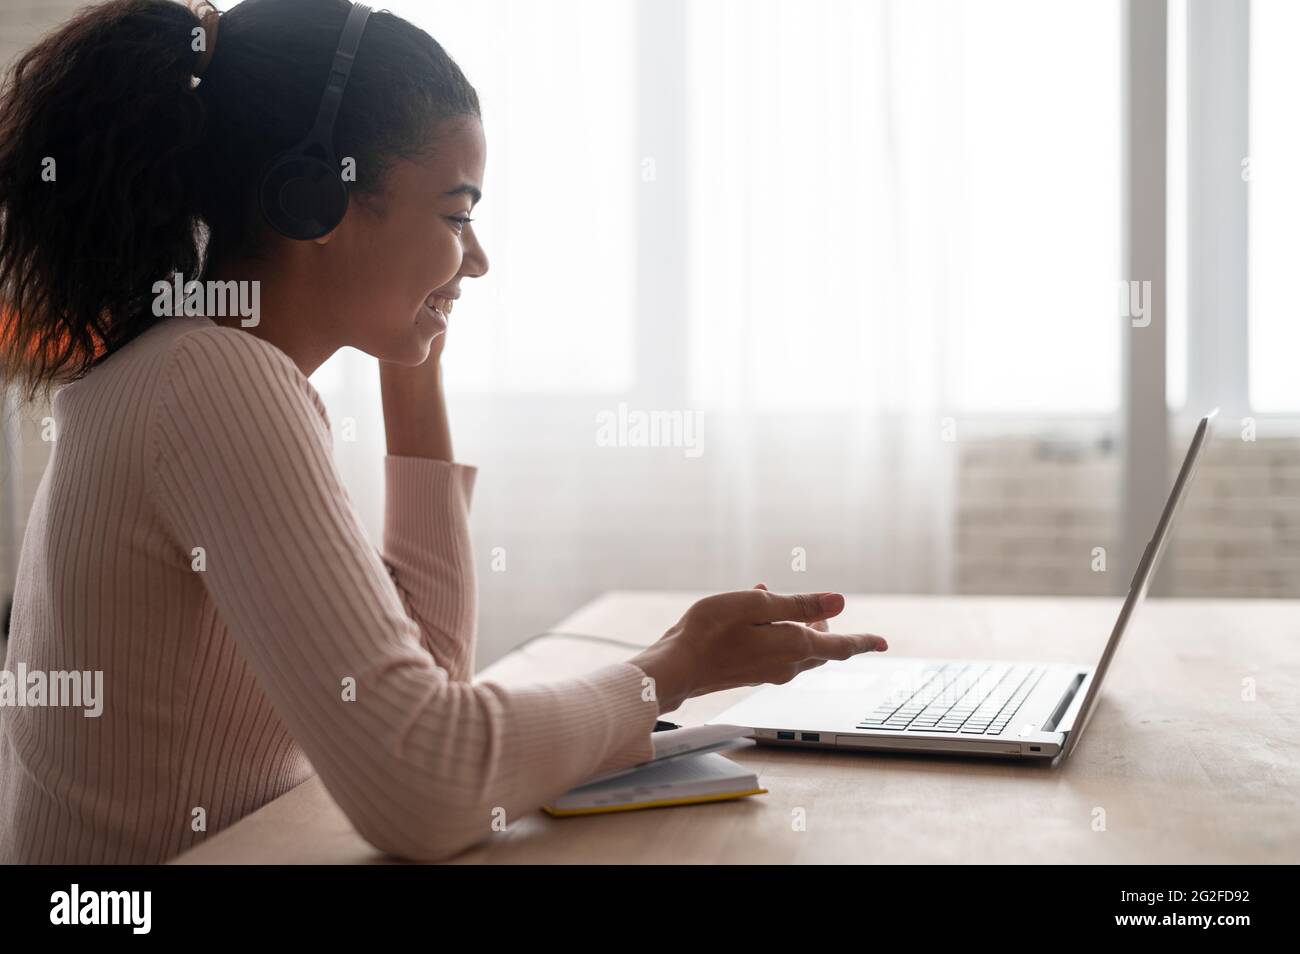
(303,195)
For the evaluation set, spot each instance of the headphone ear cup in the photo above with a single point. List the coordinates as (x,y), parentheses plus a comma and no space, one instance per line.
(303,197)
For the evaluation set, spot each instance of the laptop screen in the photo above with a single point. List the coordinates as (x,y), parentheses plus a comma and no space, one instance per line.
(1142,576)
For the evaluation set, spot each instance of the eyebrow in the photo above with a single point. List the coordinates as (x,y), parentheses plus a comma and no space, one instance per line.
(466,189)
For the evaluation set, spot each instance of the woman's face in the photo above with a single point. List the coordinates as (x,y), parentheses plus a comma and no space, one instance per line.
(405,255)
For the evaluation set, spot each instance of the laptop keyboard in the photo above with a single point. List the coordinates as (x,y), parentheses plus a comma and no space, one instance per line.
(964,698)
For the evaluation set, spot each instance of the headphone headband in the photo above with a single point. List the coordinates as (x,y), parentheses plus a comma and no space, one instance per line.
(340,70)
(302,194)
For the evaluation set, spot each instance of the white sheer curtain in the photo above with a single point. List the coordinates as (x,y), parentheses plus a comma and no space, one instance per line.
(888,210)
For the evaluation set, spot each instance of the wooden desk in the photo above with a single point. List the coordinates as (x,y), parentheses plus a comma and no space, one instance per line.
(1184,769)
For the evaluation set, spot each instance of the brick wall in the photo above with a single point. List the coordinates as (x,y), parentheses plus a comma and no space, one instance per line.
(1030,512)
(1241,536)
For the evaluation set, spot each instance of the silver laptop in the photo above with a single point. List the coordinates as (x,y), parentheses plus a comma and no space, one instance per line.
(961,706)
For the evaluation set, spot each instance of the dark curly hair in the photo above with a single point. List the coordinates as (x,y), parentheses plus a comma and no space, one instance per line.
(117,169)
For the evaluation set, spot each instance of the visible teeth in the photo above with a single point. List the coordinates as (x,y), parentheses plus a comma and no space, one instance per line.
(439,304)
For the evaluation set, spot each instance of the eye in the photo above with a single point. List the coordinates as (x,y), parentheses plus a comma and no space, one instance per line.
(460,220)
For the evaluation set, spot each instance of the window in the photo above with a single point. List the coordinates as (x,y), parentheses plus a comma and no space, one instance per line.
(1233,202)
(890,199)
(1274,191)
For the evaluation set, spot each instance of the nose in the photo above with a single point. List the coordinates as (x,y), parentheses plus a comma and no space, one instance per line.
(474,261)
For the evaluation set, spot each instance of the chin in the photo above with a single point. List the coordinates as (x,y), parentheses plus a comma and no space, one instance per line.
(416,351)
(410,348)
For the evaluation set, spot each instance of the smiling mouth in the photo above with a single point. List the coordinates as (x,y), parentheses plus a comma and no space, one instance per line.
(439,305)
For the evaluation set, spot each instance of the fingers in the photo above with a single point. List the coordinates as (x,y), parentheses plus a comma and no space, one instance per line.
(811,643)
(764,606)
(844,645)
(819,624)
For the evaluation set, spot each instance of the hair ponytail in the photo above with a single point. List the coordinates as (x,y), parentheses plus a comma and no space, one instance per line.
(99,131)
(116,170)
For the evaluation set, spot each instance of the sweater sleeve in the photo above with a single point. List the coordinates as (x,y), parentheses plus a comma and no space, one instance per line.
(428,553)
(423,765)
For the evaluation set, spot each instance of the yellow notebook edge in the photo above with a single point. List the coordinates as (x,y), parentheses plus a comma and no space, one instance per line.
(661,803)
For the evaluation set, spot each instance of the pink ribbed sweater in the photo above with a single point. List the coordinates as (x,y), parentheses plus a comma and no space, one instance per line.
(227,686)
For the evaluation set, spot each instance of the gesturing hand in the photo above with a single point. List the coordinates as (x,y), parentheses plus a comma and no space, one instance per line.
(746,638)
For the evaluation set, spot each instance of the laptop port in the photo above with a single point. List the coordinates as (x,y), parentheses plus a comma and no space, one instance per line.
(811,736)
(787,736)
(1035,748)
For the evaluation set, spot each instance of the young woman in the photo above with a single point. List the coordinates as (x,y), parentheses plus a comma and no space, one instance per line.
(191,538)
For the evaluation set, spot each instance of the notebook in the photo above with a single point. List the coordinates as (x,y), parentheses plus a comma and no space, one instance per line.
(686,741)
(686,780)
